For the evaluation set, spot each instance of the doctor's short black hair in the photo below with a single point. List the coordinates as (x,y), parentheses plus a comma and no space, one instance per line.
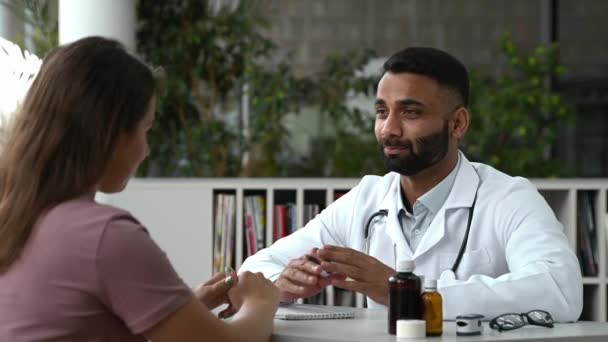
(432,63)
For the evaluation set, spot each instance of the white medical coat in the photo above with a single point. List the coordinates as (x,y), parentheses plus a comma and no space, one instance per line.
(517,257)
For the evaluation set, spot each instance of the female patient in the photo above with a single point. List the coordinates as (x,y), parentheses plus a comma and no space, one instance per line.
(71,269)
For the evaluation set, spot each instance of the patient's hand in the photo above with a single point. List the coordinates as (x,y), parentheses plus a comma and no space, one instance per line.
(214,292)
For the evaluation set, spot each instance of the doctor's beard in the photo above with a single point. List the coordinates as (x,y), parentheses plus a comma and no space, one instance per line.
(429,150)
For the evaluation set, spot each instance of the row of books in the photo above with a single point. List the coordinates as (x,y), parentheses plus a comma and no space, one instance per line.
(254,223)
(285,221)
(587,234)
(224,231)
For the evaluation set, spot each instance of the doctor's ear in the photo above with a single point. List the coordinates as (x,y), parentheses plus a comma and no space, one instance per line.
(460,123)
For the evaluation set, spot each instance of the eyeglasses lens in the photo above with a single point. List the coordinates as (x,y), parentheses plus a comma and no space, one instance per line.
(508,322)
(540,317)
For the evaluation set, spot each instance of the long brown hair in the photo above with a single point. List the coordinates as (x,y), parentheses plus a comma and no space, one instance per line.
(85,94)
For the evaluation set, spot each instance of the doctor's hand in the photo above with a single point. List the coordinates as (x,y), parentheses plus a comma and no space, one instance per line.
(302,278)
(366,274)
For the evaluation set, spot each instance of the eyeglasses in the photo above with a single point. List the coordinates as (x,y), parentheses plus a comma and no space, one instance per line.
(512,321)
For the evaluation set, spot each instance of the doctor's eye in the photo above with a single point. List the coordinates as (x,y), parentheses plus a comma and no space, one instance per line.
(381,112)
(411,112)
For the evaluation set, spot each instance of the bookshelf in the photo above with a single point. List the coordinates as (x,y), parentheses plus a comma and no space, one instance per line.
(181,215)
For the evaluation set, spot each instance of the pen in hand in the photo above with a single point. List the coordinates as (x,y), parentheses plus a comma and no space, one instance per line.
(316,261)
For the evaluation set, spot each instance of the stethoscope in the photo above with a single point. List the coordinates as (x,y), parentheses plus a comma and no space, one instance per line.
(463,244)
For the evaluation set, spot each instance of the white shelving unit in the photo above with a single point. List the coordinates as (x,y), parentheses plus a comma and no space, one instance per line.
(179,215)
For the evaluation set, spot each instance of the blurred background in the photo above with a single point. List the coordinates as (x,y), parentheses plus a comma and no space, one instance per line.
(285,88)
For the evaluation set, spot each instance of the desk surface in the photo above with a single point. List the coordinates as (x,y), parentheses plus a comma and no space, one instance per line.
(371,325)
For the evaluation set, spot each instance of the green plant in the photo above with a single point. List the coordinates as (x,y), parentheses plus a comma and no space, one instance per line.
(351,148)
(515,118)
(275,94)
(204,52)
(37,14)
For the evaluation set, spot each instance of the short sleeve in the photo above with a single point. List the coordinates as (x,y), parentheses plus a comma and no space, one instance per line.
(135,278)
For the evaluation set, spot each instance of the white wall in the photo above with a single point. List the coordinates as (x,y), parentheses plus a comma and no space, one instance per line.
(177,215)
(108,18)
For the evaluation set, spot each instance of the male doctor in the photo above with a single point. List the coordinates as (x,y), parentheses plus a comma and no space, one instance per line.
(515,256)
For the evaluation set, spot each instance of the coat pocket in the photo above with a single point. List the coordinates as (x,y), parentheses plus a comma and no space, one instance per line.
(477,261)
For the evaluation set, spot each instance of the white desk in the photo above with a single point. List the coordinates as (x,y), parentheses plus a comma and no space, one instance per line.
(371,325)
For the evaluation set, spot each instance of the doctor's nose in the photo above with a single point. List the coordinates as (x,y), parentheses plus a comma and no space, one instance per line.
(392,126)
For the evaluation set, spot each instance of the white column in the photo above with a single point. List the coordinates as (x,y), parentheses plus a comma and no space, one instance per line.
(107,18)
(9,24)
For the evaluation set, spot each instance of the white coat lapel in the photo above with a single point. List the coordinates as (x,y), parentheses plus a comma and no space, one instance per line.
(461,196)
(393,226)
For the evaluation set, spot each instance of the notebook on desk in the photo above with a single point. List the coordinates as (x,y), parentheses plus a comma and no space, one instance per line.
(306,311)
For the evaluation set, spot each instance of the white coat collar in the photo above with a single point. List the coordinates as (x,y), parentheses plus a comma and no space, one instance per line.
(393,228)
(465,186)
(462,195)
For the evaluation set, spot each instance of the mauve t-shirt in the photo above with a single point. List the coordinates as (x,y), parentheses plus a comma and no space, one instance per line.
(89,272)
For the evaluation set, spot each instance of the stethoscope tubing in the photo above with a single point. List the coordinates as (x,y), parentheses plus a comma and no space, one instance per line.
(463,245)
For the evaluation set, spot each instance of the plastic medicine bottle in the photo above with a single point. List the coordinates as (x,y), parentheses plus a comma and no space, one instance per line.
(404,300)
(432,308)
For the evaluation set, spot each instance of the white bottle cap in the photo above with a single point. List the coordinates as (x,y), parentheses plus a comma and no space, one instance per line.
(430,283)
(406,266)
(411,328)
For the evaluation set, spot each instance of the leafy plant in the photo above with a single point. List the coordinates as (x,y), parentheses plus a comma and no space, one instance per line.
(212,60)
(275,95)
(37,14)
(205,51)
(515,118)
(352,148)
(18,68)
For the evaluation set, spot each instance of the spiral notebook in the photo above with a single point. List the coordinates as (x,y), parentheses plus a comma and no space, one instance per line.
(307,311)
